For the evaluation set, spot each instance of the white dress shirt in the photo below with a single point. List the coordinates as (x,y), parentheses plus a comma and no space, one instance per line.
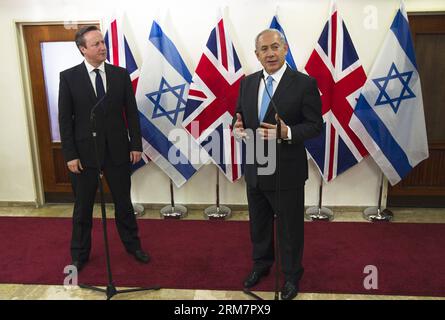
(92,75)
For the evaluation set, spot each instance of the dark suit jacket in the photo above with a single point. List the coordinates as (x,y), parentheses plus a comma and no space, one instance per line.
(299,105)
(76,99)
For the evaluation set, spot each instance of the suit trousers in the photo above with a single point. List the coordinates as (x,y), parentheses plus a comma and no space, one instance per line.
(290,222)
(85,187)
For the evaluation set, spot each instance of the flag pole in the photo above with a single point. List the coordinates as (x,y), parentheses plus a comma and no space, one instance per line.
(376,213)
(319,213)
(217,212)
(173,211)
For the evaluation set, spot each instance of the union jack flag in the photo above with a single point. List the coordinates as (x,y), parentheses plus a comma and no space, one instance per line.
(212,100)
(119,54)
(340,77)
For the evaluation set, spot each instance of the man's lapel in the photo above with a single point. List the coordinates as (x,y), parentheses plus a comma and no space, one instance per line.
(254,98)
(86,82)
(109,75)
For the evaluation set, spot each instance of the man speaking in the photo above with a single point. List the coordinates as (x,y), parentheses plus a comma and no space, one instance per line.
(298,103)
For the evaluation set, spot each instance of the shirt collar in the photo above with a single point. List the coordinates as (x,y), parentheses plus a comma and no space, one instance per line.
(90,68)
(278,74)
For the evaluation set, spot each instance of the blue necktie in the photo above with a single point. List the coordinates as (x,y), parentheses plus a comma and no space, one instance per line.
(100,90)
(266,99)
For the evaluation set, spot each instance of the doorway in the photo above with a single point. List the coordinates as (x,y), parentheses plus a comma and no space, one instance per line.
(50,49)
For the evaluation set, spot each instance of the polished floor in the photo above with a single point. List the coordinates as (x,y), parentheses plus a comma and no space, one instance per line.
(52,292)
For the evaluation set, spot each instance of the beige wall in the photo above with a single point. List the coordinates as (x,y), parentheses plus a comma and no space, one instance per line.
(192,21)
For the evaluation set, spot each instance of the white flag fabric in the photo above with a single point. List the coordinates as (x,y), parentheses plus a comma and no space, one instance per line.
(389,117)
(161,97)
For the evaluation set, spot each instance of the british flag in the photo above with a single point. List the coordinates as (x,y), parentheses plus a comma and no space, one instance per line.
(212,102)
(119,54)
(340,77)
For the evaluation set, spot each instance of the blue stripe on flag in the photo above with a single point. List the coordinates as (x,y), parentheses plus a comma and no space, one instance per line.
(324,37)
(289,58)
(345,158)
(236,62)
(316,147)
(382,137)
(349,54)
(169,51)
(161,143)
(107,44)
(131,65)
(212,43)
(400,28)
(191,106)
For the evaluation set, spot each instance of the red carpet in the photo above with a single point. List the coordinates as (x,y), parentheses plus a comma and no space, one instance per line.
(410,258)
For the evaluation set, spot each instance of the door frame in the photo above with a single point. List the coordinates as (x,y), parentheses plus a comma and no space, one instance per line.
(25,76)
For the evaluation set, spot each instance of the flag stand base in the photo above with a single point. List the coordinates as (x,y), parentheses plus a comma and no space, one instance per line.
(375,214)
(319,213)
(217,212)
(174,212)
(139,209)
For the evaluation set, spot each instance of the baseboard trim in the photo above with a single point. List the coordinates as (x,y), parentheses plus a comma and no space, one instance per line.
(18,204)
(244,207)
(191,206)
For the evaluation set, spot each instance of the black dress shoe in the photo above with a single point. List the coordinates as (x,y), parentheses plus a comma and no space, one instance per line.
(254,278)
(141,256)
(289,291)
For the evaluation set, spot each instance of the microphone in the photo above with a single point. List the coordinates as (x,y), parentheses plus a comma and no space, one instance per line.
(97,104)
(275,109)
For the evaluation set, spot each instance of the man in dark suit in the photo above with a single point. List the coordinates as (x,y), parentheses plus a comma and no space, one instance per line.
(299,106)
(81,88)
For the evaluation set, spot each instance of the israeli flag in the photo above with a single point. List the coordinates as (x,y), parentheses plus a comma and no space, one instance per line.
(389,117)
(161,97)
(275,24)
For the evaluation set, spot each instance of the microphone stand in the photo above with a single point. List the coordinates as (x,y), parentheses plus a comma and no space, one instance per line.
(110,290)
(277,206)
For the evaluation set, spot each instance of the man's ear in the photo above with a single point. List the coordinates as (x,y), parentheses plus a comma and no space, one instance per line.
(286,47)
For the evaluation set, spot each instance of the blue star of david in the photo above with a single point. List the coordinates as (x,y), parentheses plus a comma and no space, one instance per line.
(167,111)
(406,92)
